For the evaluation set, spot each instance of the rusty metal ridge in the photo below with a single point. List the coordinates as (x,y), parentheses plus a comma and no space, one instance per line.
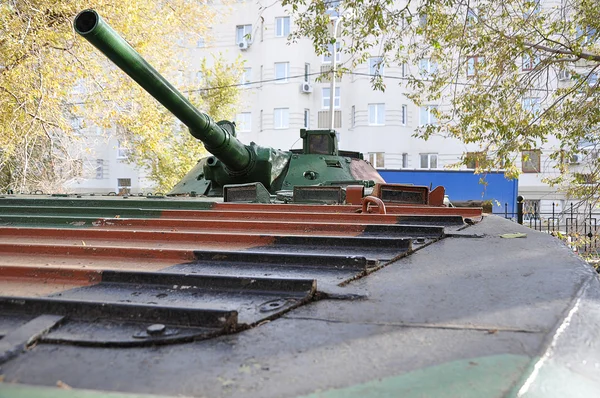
(358,263)
(264,285)
(202,217)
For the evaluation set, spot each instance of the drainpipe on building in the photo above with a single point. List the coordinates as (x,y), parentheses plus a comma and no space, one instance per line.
(333,69)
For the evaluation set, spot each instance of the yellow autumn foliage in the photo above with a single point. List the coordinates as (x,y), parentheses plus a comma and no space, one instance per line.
(49,76)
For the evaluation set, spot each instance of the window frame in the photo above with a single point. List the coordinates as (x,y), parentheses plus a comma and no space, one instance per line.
(404,115)
(473,63)
(306,118)
(377,159)
(326,59)
(527,159)
(531,106)
(430,156)
(405,160)
(99,169)
(474,159)
(246,35)
(246,77)
(430,68)
(376,66)
(122,151)
(282,122)
(283,27)
(379,111)
(246,126)
(325,99)
(306,72)
(286,72)
(122,188)
(529,62)
(431,117)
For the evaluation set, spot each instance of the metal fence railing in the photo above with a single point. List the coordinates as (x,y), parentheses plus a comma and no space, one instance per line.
(579,229)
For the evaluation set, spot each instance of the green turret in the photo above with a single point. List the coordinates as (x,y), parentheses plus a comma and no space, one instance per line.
(233,162)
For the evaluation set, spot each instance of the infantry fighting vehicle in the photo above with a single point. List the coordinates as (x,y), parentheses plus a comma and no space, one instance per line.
(105,296)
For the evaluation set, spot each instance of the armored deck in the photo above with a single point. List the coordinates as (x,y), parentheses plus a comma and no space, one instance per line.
(192,297)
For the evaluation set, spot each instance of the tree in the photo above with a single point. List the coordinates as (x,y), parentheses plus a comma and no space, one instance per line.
(516,74)
(169,153)
(51,79)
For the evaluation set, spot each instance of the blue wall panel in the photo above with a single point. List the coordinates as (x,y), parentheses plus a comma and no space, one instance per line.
(462,185)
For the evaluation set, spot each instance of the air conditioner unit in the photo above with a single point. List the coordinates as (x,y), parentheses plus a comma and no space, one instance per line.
(243,45)
(306,88)
(564,75)
(575,159)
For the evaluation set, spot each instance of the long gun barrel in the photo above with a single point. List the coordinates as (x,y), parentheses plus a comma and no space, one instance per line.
(217,140)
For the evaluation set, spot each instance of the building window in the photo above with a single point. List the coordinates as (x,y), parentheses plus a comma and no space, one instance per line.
(326,97)
(282,71)
(99,169)
(307,73)
(376,114)
(404,115)
(324,119)
(377,159)
(474,160)
(199,77)
(530,61)
(122,150)
(427,67)
(246,76)
(427,115)
(422,20)
(243,122)
(243,33)
(404,160)
(76,123)
(281,118)
(282,26)
(306,118)
(124,186)
(376,66)
(260,121)
(353,116)
(403,69)
(531,161)
(327,57)
(587,35)
(429,160)
(531,105)
(474,65)
(201,42)
(534,8)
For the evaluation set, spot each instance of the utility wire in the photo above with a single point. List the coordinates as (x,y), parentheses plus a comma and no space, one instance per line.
(284,79)
(281,79)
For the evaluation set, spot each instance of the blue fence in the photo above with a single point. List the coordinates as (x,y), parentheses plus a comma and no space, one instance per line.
(463,185)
